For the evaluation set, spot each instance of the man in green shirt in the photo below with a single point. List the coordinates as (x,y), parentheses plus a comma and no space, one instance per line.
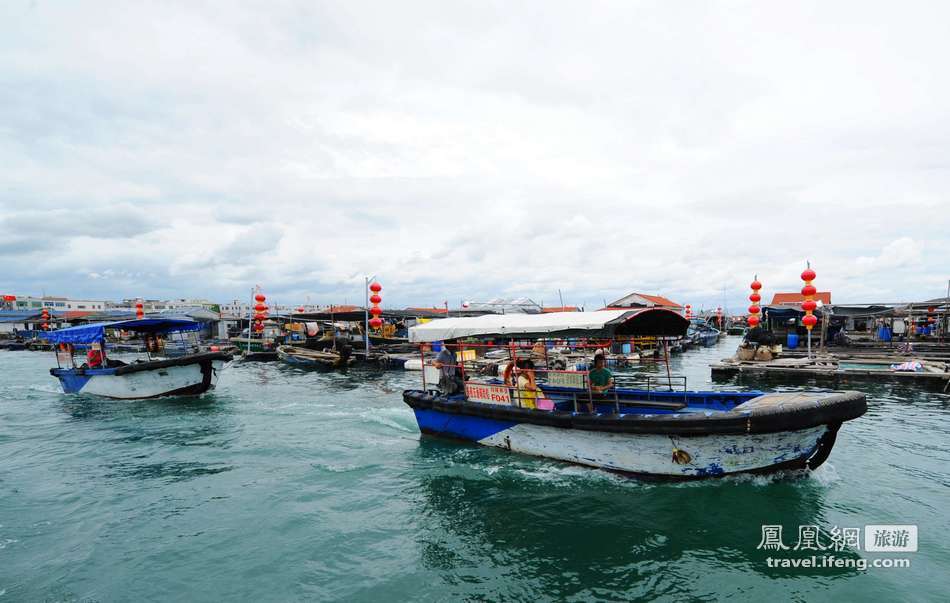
(601,379)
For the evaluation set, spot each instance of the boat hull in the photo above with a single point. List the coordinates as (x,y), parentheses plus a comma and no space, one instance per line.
(636,454)
(778,432)
(185,376)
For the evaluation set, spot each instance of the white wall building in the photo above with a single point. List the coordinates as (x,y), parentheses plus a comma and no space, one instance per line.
(240,309)
(57,304)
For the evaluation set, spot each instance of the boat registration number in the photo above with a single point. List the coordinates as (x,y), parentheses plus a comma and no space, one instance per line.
(491,394)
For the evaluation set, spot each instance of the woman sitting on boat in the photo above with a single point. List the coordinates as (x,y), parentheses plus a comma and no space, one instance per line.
(528,390)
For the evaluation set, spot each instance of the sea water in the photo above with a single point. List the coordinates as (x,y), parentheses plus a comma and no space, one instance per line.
(286,485)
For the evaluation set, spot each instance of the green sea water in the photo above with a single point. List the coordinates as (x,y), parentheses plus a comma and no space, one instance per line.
(285,485)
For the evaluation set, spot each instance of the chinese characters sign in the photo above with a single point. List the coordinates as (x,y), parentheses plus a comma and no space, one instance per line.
(490,394)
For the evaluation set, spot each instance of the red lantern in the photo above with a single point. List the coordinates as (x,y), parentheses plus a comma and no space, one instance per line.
(260,297)
(45,326)
(809,304)
(259,317)
(755,298)
(376,322)
(260,308)
(301,310)
(9,298)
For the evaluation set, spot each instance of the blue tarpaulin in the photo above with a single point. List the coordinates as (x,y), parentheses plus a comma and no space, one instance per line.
(96,332)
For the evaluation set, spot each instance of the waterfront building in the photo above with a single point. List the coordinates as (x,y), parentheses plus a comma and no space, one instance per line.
(644,300)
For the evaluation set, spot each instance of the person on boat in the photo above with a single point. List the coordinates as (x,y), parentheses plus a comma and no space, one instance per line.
(601,379)
(509,374)
(94,357)
(449,381)
(528,390)
(345,350)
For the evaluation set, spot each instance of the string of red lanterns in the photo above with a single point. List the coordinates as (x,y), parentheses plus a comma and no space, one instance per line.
(755,298)
(809,305)
(808,292)
(139,310)
(719,316)
(45,316)
(376,322)
(689,312)
(260,312)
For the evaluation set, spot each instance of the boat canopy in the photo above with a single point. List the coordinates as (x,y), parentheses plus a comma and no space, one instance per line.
(92,333)
(655,322)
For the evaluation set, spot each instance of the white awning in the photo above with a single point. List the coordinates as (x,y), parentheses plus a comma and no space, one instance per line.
(574,324)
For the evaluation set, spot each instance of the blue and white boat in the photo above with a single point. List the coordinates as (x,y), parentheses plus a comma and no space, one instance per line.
(702,333)
(185,375)
(645,432)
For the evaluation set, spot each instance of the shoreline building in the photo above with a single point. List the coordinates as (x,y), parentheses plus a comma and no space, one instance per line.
(644,300)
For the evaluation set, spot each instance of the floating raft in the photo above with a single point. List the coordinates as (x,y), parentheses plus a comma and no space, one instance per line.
(834,370)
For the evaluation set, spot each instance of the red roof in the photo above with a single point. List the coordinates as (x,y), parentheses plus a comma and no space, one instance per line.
(660,300)
(780,299)
(72,314)
(560,309)
(341,309)
(433,310)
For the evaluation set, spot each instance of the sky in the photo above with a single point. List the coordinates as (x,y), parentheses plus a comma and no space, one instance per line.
(471,150)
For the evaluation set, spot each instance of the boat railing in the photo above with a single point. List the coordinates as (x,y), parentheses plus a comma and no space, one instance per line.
(573,383)
(652,383)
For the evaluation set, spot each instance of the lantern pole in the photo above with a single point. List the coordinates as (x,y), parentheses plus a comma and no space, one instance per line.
(366,281)
(809,304)
(809,343)
(755,297)
(250,312)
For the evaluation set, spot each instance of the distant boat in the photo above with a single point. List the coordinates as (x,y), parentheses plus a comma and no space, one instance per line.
(186,375)
(304,357)
(702,333)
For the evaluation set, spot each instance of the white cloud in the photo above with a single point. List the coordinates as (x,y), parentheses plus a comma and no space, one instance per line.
(468,151)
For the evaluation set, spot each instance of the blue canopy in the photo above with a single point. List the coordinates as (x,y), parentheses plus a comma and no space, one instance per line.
(92,333)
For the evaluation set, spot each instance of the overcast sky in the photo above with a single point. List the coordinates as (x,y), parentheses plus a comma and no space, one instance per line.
(467,150)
